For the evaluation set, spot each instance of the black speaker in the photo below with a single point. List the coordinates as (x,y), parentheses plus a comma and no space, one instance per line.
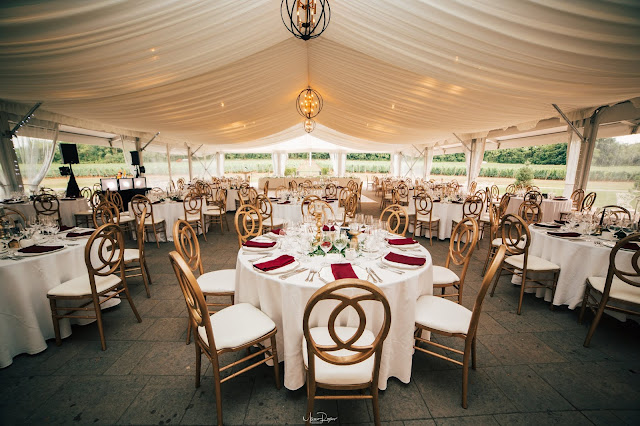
(135,158)
(69,153)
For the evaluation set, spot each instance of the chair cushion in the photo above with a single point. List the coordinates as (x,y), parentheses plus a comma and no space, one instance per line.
(84,213)
(534,263)
(191,217)
(80,286)
(126,218)
(619,289)
(442,314)
(340,374)
(498,242)
(148,221)
(442,275)
(237,325)
(213,210)
(425,218)
(130,254)
(222,281)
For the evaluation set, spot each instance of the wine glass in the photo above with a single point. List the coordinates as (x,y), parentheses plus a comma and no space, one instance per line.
(326,244)
(341,241)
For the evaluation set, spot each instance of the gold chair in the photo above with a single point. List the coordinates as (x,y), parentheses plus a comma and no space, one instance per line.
(396,219)
(280,191)
(511,189)
(83,218)
(533,196)
(446,318)
(472,187)
(308,204)
(344,358)
(266,211)
(235,328)
(400,194)
(472,207)
(387,194)
(180,183)
(193,212)
(331,190)
(47,205)
(516,236)
(127,221)
(105,212)
(349,210)
(248,223)
(494,224)
(221,283)
(495,192)
(139,203)
(424,216)
(15,218)
(217,210)
(530,212)
(105,280)
(587,202)
(617,291)
(504,204)
(265,188)
(461,246)
(135,262)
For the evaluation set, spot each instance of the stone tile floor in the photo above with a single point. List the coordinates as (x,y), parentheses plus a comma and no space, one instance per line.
(532,369)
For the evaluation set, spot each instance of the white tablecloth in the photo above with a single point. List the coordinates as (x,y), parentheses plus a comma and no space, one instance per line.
(284,302)
(578,260)
(25,313)
(446,212)
(170,211)
(293,213)
(67,209)
(275,182)
(550,208)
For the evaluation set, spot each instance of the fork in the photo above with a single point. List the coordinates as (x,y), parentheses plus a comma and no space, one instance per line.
(292,273)
(397,271)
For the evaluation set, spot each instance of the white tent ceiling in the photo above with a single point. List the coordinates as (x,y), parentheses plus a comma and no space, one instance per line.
(392,73)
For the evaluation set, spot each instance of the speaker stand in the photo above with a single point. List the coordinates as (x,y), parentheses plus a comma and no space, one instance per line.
(73,191)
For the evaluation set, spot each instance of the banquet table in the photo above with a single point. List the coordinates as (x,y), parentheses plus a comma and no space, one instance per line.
(68,206)
(25,313)
(578,259)
(551,208)
(170,211)
(284,301)
(445,211)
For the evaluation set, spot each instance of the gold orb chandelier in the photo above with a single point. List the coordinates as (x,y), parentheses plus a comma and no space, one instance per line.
(305,19)
(309,125)
(309,103)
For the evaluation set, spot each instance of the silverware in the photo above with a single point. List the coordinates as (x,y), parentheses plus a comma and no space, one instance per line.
(292,273)
(388,268)
(323,280)
(370,275)
(252,261)
(375,275)
(309,275)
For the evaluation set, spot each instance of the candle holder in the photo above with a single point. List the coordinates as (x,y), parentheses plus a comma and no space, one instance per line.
(354,237)
(318,237)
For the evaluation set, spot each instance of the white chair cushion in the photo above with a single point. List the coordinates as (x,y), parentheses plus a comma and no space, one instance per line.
(425,218)
(340,374)
(534,263)
(237,325)
(84,213)
(221,281)
(127,219)
(80,286)
(619,289)
(442,314)
(191,217)
(130,254)
(148,221)
(277,222)
(213,210)
(498,242)
(442,275)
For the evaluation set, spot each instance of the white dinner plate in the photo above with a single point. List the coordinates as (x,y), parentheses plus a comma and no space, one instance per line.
(400,265)
(272,236)
(404,246)
(281,270)
(17,253)
(579,237)
(326,274)
(261,239)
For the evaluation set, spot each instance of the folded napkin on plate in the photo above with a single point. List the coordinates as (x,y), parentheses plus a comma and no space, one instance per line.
(157,202)
(306,202)
(277,231)
(276,263)
(259,244)
(39,249)
(631,246)
(561,222)
(564,234)
(559,198)
(285,202)
(547,225)
(456,202)
(436,201)
(66,228)
(326,228)
(330,199)
(343,270)
(406,260)
(274,198)
(79,234)
(401,241)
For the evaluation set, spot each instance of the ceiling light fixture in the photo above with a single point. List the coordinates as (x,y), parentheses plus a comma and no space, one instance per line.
(309,125)
(305,19)
(309,103)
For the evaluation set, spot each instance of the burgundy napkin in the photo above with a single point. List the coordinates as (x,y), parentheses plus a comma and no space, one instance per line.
(547,225)
(306,202)
(276,263)
(285,202)
(259,244)
(66,228)
(436,201)
(406,260)
(39,249)
(274,198)
(330,199)
(326,228)
(156,202)
(79,234)
(559,198)
(276,231)
(561,222)
(342,270)
(631,246)
(456,202)
(401,241)
(564,234)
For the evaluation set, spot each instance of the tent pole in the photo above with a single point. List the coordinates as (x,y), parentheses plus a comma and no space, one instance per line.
(573,154)
(587,148)
(8,157)
(169,162)
(428,162)
(190,163)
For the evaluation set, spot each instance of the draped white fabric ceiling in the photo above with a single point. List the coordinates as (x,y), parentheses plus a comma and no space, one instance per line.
(227,73)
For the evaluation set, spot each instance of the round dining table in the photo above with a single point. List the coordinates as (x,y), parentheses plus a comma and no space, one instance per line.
(25,312)
(68,206)
(551,208)
(578,258)
(284,299)
(170,211)
(446,211)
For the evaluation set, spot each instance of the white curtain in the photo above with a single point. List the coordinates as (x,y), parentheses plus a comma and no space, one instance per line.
(428,162)
(334,162)
(279,161)
(474,157)
(34,157)
(220,164)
